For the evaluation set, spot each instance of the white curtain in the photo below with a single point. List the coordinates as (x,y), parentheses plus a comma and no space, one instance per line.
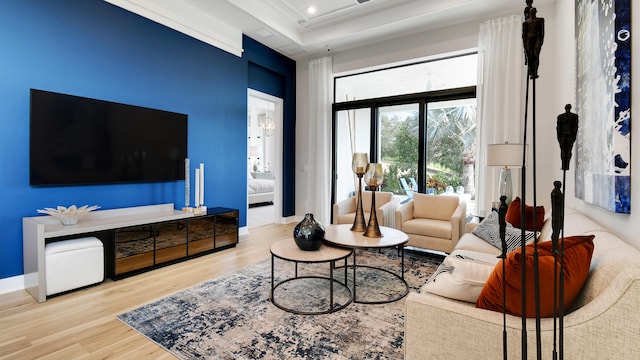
(319,137)
(501,91)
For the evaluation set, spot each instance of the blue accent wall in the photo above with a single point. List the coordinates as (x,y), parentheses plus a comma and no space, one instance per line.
(93,49)
(274,75)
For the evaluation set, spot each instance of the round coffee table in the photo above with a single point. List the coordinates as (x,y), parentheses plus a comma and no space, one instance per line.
(288,250)
(341,235)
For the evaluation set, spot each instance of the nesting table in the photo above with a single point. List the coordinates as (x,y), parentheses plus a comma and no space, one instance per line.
(341,235)
(288,250)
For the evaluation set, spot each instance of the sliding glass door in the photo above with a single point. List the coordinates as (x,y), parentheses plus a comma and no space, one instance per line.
(418,120)
(451,146)
(426,142)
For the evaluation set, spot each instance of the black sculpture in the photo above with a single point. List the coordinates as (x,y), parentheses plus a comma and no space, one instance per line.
(557,210)
(502,231)
(532,38)
(567,130)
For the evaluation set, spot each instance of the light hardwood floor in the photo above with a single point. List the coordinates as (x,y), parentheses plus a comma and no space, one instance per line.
(83,324)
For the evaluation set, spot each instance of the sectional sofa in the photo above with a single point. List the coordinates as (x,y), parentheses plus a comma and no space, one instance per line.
(602,323)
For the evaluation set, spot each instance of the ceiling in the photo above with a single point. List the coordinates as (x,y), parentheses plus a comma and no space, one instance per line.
(286,26)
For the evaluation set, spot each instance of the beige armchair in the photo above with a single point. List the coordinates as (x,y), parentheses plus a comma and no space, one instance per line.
(433,222)
(344,212)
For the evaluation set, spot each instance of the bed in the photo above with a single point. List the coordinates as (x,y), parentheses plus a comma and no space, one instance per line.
(260,188)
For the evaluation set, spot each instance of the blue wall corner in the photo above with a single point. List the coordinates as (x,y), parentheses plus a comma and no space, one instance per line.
(97,50)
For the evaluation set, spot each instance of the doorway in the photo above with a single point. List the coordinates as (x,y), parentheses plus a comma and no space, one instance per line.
(264,160)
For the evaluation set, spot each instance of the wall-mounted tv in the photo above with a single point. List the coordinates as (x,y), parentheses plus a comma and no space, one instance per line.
(80,141)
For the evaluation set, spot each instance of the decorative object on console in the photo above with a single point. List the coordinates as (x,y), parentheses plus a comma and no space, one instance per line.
(70,215)
(374,176)
(308,234)
(199,195)
(505,155)
(187,186)
(359,165)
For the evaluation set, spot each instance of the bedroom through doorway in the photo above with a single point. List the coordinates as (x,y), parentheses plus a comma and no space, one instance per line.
(264,159)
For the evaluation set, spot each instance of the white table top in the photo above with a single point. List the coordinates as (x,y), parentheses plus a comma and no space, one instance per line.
(288,249)
(343,236)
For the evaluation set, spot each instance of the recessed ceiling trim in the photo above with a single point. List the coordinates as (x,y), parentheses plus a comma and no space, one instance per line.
(186,19)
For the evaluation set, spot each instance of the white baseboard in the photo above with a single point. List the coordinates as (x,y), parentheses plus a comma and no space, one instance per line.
(11,284)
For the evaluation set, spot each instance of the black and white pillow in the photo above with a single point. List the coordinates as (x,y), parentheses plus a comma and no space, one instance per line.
(489,231)
(461,275)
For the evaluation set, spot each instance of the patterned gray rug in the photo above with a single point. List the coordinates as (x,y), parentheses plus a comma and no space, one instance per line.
(231,317)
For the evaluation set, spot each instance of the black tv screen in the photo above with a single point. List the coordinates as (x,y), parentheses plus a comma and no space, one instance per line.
(80,141)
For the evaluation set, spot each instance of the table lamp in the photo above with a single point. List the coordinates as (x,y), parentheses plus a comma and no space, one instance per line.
(505,155)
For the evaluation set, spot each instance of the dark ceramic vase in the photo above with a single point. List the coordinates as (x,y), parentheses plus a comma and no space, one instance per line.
(309,233)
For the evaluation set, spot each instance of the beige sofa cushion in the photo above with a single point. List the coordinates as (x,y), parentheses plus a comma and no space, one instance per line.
(439,207)
(428,227)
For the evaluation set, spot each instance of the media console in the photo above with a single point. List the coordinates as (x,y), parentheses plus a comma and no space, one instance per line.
(135,239)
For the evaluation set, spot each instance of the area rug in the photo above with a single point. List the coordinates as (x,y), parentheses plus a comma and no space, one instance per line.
(231,317)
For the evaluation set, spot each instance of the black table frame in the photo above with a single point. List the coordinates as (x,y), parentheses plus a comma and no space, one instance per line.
(332,280)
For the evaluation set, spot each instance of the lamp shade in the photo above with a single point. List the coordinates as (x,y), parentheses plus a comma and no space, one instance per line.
(504,155)
(253,150)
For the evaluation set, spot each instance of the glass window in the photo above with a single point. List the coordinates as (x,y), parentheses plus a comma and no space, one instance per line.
(425,139)
(451,143)
(446,73)
(399,139)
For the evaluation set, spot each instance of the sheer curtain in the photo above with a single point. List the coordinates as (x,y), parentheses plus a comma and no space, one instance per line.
(319,139)
(501,90)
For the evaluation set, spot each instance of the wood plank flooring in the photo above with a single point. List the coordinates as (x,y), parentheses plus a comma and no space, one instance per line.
(83,324)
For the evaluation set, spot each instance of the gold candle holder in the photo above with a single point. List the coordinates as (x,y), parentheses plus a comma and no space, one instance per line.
(359,165)
(374,176)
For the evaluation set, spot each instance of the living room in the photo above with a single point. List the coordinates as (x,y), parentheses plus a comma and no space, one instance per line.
(52,47)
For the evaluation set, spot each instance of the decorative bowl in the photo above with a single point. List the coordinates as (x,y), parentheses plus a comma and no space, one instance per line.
(70,215)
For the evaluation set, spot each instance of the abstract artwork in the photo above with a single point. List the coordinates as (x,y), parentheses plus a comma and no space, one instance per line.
(603,151)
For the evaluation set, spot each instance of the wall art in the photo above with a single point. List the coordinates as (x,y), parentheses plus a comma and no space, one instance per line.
(603,146)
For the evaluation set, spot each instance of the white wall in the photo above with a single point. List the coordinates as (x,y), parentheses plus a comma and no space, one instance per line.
(554,89)
(626,226)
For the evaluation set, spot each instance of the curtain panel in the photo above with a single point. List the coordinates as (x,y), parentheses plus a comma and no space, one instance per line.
(501,104)
(318,189)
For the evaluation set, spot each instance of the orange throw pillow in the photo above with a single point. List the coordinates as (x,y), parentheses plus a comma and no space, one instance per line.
(514,213)
(577,260)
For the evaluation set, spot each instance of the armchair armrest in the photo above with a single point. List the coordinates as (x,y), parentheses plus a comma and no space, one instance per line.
(403,213)
(343,207)
(458,221)
(386,213)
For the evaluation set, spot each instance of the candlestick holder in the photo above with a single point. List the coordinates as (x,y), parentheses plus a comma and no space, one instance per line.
(374,176)
(359,165)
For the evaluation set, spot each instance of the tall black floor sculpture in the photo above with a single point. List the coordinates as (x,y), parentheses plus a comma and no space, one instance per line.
(567,130)
(532,38)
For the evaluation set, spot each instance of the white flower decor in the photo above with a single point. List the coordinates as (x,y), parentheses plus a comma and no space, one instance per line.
(70,215)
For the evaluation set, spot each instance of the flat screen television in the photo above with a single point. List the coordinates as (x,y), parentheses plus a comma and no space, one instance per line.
(75,140)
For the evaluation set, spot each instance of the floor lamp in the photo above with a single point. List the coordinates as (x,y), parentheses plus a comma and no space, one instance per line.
(505,155)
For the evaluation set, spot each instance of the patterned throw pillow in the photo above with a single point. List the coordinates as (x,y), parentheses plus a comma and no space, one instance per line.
(461,276)
(489,231)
